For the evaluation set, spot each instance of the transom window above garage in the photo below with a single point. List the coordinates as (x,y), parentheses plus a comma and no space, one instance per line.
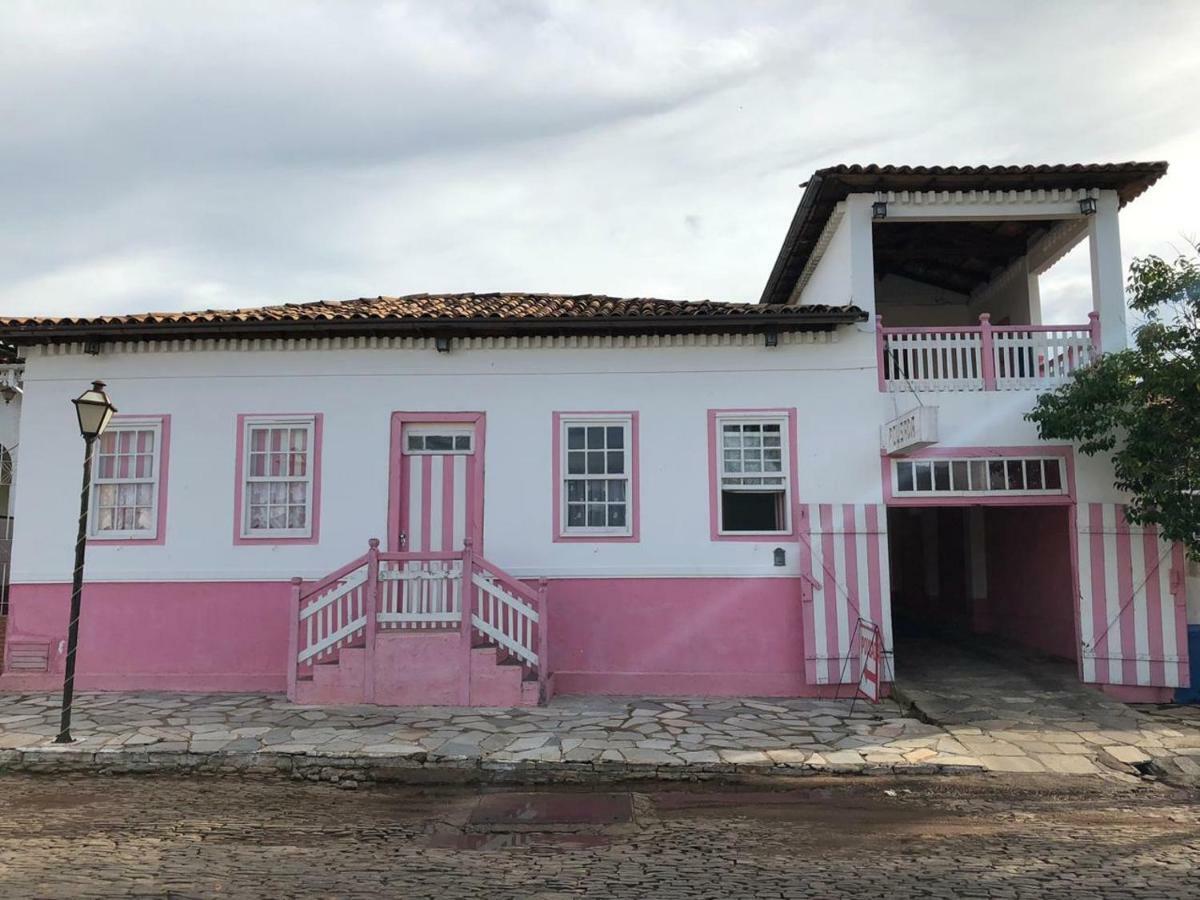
(932,477)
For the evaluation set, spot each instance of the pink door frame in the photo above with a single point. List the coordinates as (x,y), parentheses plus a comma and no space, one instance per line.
(1065,453)
(395,470)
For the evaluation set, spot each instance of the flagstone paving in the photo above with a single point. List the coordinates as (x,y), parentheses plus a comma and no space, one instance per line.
(573,738)
(1021,713)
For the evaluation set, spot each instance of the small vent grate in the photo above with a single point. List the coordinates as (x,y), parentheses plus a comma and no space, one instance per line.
(28,656)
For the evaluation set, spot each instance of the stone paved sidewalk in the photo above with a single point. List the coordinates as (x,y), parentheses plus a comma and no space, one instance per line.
(572,739)
(1018,712)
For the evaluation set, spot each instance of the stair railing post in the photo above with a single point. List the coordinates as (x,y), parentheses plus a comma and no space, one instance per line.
(372,611)
(987,357)
(543,642)
(293,637)
(467,601)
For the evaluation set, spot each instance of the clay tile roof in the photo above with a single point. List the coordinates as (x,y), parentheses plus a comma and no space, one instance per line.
(427,314)
(830,185)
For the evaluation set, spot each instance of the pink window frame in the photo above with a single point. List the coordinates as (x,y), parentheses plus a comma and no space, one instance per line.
(395,461)
(1065,453)
(239,539)
(714,475)
(556,473)
(164,460)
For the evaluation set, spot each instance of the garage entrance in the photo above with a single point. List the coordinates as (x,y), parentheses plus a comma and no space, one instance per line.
(981,577)
(984,609)
(992,557)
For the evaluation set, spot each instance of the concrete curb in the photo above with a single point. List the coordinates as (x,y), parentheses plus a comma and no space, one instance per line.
(420,768)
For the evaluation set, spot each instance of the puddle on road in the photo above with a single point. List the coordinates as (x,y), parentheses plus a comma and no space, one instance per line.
(552,809)
(521,821)
(516,840)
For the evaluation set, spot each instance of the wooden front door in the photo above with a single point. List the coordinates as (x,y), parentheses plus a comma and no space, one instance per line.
(441,482)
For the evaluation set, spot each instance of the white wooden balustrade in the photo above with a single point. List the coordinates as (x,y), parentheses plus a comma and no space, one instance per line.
(333,613)
(505,611)
(985,357)
(421,593)
(416,591)
(1029,358)
(941,360)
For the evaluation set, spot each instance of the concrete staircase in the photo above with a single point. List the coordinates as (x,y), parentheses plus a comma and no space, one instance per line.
(419,667)
(387,628)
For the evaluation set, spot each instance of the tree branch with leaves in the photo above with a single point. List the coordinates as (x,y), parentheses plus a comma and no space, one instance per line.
(1141,405)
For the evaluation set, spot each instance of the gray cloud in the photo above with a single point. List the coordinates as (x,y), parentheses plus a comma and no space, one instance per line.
(201,154)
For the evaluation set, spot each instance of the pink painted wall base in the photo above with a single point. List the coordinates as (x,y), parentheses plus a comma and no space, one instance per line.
(676,636)
(690,636)
(177,636)
(680,636)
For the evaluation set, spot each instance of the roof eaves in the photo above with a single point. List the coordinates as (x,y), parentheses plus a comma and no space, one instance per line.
(812,188)
(792,320)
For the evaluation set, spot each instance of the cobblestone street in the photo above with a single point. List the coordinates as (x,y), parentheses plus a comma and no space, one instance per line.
(970,836)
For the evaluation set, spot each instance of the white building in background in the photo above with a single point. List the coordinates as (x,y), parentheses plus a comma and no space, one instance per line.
(587,494)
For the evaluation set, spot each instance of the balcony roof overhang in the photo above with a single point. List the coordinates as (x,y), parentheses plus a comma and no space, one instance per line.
(982,245)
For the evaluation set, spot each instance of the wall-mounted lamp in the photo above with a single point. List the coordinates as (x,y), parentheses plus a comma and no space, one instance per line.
(1087,206)
(780,556)
(91,347)
(879,210)
(771,338)
(442,343)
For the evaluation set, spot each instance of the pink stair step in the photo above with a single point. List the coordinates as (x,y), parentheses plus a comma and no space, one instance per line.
(497,684)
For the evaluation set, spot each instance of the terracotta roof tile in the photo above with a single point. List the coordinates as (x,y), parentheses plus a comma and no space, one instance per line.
(479,313)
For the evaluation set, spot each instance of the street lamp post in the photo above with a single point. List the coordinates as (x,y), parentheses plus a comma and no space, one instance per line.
(95,411)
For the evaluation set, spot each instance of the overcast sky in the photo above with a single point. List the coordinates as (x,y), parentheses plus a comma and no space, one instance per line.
(176,155)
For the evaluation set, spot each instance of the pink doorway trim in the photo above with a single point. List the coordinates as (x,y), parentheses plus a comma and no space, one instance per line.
(395,470)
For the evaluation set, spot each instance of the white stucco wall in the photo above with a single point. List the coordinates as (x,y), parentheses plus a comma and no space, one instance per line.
(10,430)
(829,282)
(357,390)
(996,419)
(10,422)
(833,386)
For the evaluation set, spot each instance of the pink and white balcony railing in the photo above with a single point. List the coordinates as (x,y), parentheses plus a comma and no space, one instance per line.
(380,591)
(984,357)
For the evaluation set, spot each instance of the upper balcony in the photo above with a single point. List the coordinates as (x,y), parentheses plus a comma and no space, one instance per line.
(948,261)
(958,297)
(958,303)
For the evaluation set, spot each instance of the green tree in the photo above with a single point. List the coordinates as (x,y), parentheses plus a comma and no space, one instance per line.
(1142,404)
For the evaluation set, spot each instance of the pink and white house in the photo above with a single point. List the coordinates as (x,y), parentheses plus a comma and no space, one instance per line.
(486,499)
